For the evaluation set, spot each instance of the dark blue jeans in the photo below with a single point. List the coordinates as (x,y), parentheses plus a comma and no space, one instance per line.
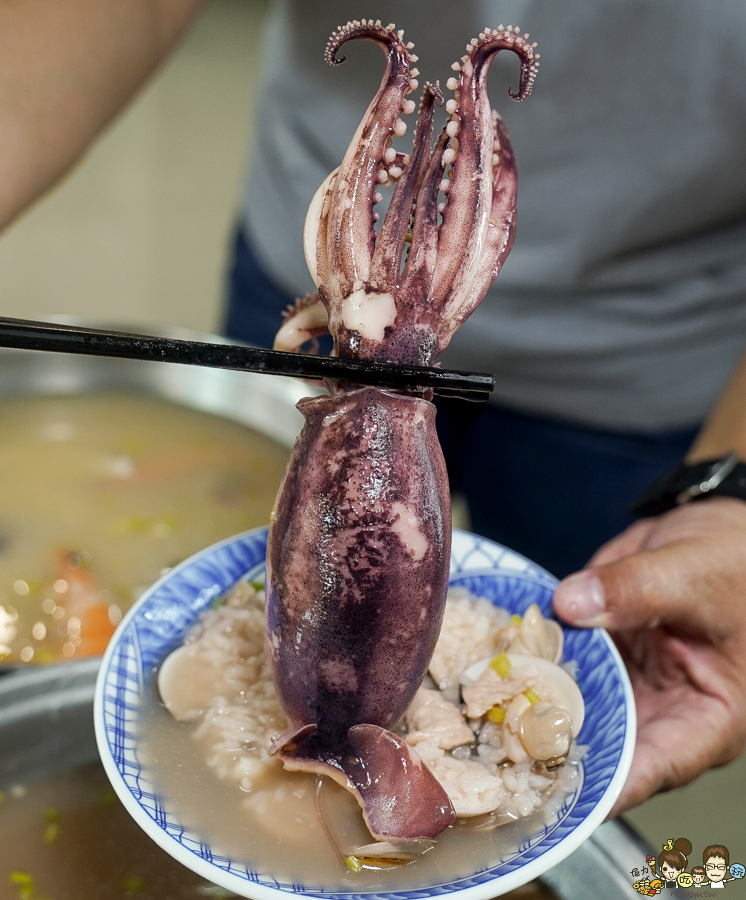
(551,490)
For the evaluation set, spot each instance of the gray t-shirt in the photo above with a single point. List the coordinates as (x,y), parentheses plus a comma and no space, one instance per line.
(623,302)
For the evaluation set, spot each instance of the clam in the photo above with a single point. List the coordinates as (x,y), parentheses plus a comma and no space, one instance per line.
(535,635)
(547,725)
(185,692)
(387,855)
(545,731)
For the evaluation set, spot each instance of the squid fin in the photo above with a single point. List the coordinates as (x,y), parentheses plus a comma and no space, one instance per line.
(400,797)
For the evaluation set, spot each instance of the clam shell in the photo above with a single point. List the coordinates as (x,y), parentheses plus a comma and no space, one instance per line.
(405,850)
(539,636)
(567,693)
(185,692)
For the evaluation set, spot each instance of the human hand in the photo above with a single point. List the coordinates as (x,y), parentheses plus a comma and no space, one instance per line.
(672,591)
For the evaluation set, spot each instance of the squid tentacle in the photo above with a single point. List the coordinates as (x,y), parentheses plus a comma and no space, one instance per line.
(315,230)
(463,231)
(418,270)
(392,237)
(482,51)
(303,321)
(500,235)
(350,236)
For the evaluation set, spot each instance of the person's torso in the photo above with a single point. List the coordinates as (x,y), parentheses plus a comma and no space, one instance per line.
(622,302)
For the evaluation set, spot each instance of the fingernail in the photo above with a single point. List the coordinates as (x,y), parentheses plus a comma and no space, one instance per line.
(580,599)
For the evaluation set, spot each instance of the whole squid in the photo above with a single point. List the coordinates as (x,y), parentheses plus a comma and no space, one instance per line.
(359,544)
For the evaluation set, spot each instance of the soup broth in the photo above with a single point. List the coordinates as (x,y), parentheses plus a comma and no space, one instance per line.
(69,838)
(100,493)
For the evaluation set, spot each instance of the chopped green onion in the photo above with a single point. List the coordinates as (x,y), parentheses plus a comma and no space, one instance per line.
(532,696)
(46,655)
(132,525)
(501,665)
(134,884)
(496,714)
(109,797)
(353,864)
(25,884)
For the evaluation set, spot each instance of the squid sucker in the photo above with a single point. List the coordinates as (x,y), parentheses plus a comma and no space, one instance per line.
(359,545)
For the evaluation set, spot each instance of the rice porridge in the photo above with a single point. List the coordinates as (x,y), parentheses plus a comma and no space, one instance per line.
(493,677)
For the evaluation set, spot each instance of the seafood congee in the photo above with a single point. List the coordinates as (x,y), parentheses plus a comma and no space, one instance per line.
(438,737)
(494,722)
(98,494)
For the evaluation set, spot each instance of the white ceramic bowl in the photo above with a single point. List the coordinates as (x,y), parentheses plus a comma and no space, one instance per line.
(157,624)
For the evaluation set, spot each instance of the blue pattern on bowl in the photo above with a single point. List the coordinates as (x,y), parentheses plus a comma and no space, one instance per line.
(159,622)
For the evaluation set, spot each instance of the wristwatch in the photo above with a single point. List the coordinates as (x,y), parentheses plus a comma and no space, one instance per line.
(722,477)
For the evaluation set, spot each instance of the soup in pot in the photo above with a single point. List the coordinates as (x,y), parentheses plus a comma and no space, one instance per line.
(67,837)
(99,494)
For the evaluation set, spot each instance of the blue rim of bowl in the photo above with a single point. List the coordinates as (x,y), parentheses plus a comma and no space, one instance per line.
(143,640)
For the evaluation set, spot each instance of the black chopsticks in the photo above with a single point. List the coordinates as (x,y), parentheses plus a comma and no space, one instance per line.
(31,335)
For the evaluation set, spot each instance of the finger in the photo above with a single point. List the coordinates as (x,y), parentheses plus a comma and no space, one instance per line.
(631,540)
(676,583)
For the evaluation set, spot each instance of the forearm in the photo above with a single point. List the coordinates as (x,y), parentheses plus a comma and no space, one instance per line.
(725,428)
(66,68)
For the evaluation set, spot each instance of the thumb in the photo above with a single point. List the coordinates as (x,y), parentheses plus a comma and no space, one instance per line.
(643,590)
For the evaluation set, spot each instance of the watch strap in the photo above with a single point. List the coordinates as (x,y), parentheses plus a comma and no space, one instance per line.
(724,477)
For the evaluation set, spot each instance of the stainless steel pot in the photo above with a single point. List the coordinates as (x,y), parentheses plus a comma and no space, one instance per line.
(264,402)
(46,721)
